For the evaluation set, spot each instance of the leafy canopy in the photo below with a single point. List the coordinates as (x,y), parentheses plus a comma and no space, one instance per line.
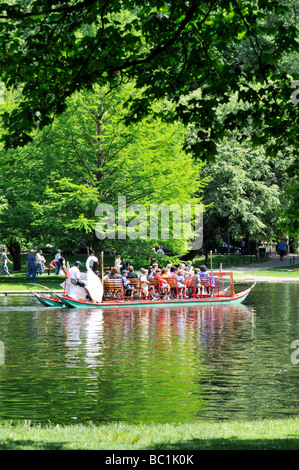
(92,158)
(51,49)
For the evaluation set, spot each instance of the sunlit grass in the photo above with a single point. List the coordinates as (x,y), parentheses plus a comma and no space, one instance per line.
(265,434)
(283,271)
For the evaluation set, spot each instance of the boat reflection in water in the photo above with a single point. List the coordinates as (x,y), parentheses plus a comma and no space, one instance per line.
(147,365)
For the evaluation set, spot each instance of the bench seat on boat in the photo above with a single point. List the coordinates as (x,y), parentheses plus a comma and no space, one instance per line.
(113,289)
(209,287)
(138,288)
(160,288)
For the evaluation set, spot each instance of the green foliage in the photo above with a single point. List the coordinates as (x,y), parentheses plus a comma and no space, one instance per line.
(170,49)
(93,159)
(245,192)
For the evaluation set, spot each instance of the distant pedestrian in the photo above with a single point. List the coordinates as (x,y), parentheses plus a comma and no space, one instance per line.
(282,246)
(118,262)
(4,260)
(59,260)
(31,266)
(242,247)
(40,262)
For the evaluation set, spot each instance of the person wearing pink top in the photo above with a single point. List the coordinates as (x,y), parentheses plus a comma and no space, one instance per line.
(173,272)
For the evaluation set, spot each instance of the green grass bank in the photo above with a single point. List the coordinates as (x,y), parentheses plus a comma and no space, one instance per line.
(17,283)
(253,435)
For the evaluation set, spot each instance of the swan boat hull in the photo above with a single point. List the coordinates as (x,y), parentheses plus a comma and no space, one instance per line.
(85,304)
(48,302)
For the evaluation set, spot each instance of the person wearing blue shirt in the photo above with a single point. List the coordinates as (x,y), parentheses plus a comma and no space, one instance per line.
(31,266)
(127,285)
(203,271)
(282,246)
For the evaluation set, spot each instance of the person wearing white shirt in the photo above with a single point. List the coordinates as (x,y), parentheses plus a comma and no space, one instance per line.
(40,261)
(75,276)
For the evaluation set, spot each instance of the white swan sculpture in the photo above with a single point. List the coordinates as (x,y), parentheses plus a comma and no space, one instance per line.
(93,284)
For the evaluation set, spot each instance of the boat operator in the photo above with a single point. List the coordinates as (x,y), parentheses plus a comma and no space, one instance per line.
(75,276)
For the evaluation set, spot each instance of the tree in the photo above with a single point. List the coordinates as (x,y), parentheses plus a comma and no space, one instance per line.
(22,181)
(93,159)
(245,193)
(52,49)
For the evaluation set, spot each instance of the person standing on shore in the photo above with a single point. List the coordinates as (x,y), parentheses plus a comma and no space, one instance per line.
(282,247)
(40,262)
(58,262)
(4,260)
(31,266)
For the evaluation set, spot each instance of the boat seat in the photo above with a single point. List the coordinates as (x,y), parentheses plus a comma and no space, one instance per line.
(172,282)
(113,289)
(158,288)
(190,286)
(209,287)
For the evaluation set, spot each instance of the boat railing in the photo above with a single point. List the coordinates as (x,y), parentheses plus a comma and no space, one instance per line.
(217,284)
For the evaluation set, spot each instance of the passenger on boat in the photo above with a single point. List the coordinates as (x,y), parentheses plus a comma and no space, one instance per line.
(126,283)
(173,272)
(155,267)
(165,273)
(115,274)
(181,283)
(131,273)
(182,267)
(106,276)
(203,271)
(75,276)
(150,273)
(164,284)
(145,283)
(188,269)
(196,278)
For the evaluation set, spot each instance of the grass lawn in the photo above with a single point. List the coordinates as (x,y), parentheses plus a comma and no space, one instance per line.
(16,281)
(255,435)
(287,271)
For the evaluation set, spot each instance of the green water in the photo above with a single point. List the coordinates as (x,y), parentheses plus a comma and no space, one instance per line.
(150,365)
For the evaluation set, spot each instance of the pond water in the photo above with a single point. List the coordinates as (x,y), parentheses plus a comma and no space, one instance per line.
(151,365)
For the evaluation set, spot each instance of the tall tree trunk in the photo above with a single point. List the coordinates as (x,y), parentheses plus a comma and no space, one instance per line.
(15,251)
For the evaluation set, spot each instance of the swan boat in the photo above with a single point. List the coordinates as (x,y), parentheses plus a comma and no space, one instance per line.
(75,296)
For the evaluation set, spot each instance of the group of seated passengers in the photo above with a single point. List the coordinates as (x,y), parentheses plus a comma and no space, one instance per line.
(179,273)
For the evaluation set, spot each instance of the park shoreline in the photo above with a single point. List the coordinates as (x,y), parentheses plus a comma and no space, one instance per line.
(241,275)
